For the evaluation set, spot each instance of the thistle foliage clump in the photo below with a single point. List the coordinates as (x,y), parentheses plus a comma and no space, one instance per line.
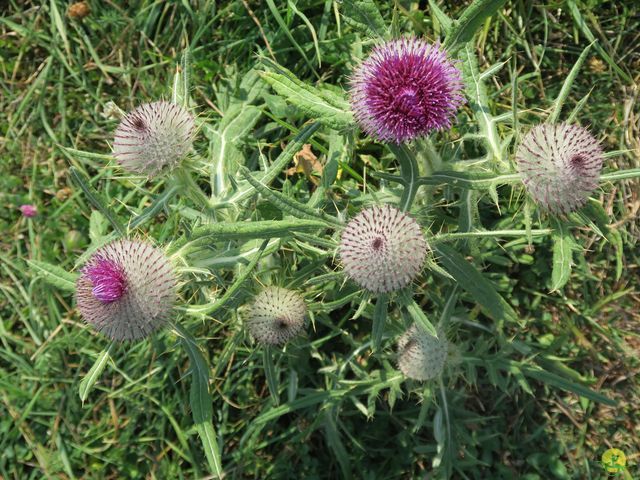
(393,196)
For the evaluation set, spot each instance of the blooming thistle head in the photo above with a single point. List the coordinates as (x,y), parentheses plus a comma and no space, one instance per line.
(382,249)
(421,356)
(153,136)
(276,316)
(126,290)
(28,211)
(560,165)
(405,89)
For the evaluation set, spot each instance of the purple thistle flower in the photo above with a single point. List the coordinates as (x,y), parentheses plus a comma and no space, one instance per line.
(153,136)
(560,165)
(382,249)
(126,290)
(276,316)
(405,89)
(28,211)
(108,279)
(421,356)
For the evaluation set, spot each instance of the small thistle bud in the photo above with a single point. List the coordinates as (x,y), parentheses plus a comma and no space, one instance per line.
(382,249)
(276,316)
(421,356)
(153,136)
(560,166)
(28,211)
(406,89)
(126,290)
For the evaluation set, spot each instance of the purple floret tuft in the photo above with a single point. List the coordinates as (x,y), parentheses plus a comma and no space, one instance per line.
(108,279)
(406,89)
(127,290)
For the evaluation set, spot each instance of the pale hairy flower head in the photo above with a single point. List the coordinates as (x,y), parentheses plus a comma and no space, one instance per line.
(153,137)
(126,290)
(276,316)
(382,249)
(560,166)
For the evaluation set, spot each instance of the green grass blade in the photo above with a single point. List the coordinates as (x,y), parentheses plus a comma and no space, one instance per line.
(364,16)
(200,400)
(416,312)
(442,18)
(96,199)
(270,374)
(470,21)
(410,174)
(94,373)
(563,246)
(54,275)
(582,25)
(379,320)
(566,86)
(474,283)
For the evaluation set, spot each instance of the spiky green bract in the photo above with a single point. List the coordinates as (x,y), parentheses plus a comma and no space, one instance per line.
(126,290)
(276,316)
(421,356)
(153,137)
(382,249)
(560,166)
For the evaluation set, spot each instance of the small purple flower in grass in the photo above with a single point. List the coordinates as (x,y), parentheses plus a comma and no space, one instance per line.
(421,356)
(406,89)
(153,136)
(126,290)
(28,211)
(560,166)
(382,249)
(276,316)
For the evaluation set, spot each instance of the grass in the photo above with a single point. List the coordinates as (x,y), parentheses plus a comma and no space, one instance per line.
(342,410)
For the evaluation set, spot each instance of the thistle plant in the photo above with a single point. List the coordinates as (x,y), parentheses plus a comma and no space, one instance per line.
(153,137)
(424,226)
(560,166)
(421,355)
(276,316)
(382,249)
(126,290)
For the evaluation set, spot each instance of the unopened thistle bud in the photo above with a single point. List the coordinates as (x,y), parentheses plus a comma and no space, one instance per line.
(152,137)
(276,316)
(126,290)
(560,166)
(421,356)
(406,89)
(382,249)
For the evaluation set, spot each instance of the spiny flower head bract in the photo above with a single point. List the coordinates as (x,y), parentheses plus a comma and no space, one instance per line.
(276,315)
(382,249)
(421,356)
(405,89)
(126,290)
(152,137)
(560,166)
